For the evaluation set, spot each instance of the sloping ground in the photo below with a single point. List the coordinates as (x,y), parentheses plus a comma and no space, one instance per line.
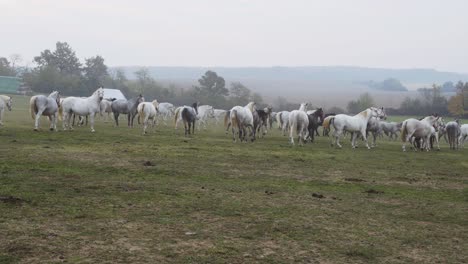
(116,196)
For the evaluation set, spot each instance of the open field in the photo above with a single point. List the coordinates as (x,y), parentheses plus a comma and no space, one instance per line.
(116,196)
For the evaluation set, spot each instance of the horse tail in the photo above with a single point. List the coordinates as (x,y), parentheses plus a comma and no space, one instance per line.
(326,122)
(278,119)
(60,112)
(141,113)
(235,119)
(176,116)
(404,131)
(293,124)
(32,107)
(226,118)
(184,116)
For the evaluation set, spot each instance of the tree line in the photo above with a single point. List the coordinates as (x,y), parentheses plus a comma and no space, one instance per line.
(429,100)
(61,70)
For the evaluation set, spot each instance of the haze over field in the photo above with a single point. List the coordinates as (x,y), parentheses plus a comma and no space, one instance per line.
(246,40)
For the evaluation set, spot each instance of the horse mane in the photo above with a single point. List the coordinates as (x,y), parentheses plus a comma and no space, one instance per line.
(5,97)
(250,106)
(364,113)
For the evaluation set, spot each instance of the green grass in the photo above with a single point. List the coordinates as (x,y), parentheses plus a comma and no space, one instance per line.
(85,197)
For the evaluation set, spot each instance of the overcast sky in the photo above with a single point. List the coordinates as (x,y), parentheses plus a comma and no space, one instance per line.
(370,33)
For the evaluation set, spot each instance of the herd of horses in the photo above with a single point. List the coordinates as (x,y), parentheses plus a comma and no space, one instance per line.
(247,122)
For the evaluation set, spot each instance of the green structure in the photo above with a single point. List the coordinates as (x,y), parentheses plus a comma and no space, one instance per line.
(9,85)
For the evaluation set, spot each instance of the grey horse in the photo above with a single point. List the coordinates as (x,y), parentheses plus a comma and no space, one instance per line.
(453,133)
(189,116)
(128,107)
(41,105)
(391,129)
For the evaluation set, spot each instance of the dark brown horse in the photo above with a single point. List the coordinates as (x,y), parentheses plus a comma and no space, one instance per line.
(315,120)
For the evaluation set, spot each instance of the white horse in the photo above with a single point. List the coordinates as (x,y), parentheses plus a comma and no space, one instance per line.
(241,117)
(7,101)
(298,123)
(414,128)
(40,105)
(105,107)
(82,106)
(357,123)
(283,121)
(463,135)
(204,113)
(166,110)
(219,115)
(147,111)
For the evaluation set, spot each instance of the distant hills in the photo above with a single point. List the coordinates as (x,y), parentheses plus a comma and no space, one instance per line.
(323,86)
(316,73)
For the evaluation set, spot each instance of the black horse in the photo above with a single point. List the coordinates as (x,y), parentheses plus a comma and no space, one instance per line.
(315,120)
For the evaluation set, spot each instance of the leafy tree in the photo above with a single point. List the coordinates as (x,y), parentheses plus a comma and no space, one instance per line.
(448,87)
(211,84)
(239,94)
(211,90)
(117,80)
(364,101)
(95,72)
(6,69)
(456,103)
(257,98)
(58,70)
(63,58)
(336,110)
(390,84)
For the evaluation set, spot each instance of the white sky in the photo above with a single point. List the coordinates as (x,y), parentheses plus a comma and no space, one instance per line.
(370,33)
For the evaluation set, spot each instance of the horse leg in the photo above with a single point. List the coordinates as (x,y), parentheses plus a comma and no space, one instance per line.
(437,142)
(52,122)
(37,120)
(116,118)
(364,136)
(234,139)
(145,124)
(337,138)
(353,139)
(291,136)
(55,120)
(91,121)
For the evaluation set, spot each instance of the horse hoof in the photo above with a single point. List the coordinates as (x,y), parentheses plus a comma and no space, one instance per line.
(51,129)
(37,130)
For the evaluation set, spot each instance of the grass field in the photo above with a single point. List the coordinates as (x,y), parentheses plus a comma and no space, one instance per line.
(116,196)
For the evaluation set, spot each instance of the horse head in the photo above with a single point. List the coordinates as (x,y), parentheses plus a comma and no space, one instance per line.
(156,105)
(140,99)
(303,107)
(9,103)
(211,113)
(268,109)
(195,106)
(379,113)
(319,113)
(99,93)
